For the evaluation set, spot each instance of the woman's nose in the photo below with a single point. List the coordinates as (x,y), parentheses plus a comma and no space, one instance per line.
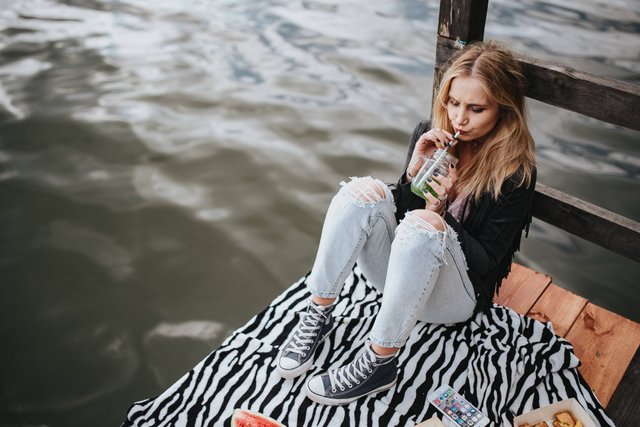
(461,117)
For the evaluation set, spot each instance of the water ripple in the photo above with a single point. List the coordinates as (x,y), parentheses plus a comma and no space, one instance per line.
(154,153)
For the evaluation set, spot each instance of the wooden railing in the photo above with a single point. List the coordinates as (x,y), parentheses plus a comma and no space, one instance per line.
(612,101)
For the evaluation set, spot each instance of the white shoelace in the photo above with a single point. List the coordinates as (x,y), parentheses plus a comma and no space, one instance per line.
(313,320)
(354,371)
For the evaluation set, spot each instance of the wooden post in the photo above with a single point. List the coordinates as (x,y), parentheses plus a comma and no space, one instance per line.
(462,19)
(623,406)
(459,22)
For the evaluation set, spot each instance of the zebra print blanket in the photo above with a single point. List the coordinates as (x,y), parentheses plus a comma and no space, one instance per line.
(506,363)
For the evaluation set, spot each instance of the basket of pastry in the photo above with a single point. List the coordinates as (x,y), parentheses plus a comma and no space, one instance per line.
(567,413)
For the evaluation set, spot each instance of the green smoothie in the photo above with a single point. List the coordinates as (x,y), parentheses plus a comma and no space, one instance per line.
(437,165)
(420,190)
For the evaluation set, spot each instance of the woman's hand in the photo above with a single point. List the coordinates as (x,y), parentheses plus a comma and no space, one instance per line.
(423,147)
(442,186)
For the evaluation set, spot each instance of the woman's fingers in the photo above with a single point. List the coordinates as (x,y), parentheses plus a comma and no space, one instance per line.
(433,203)
(439,136)
(439,190)
(448,181)
(423,143)
(453,176)
(436,136)
(437,184)
(420,150)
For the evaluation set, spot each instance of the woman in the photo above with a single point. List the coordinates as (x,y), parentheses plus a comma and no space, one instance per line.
(438,262)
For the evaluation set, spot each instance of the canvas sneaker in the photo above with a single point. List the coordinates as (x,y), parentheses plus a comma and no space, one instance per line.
(368,374)
(296,356)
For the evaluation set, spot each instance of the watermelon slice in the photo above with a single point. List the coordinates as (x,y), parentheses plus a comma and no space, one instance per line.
(245,418)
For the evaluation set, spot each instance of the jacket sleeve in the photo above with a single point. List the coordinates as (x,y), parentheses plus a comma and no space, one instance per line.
(507,217)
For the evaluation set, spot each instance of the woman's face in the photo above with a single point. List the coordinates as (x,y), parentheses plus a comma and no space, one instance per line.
(470,110)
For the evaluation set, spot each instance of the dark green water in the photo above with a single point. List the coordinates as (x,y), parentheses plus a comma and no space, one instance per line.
(165,168)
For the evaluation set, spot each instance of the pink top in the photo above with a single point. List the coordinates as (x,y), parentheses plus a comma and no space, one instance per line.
(455,208)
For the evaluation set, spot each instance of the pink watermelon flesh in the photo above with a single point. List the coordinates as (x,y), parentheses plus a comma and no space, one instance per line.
(244,418)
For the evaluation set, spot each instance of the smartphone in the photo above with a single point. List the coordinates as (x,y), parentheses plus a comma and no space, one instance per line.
(456,408)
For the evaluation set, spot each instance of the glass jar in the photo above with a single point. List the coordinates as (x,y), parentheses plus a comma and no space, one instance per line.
(437,164)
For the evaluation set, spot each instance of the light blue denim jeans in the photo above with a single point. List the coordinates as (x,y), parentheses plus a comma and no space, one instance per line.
(421,272)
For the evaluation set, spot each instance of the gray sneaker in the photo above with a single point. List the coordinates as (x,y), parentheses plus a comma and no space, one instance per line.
(368,374)
(296,356)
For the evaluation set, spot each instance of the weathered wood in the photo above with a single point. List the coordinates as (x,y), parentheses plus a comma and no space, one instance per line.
(445,49)
(623,406)
(605,343)
(521,289)
(591,222)
(610,100)
(462,19)
(459,22)
(558,306)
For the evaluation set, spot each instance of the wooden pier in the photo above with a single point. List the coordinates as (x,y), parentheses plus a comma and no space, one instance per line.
(606,343)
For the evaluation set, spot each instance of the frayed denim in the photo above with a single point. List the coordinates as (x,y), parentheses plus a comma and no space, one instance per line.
(421,271)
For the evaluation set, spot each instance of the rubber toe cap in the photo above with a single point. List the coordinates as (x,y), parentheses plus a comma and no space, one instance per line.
(316,386)
(288,364)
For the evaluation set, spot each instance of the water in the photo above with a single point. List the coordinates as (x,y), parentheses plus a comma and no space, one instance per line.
(165,167)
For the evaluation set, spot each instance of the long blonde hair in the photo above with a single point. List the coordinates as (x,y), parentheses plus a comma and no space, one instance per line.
(509,146)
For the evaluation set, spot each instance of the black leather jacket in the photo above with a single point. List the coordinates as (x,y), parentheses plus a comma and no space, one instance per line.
(491,231)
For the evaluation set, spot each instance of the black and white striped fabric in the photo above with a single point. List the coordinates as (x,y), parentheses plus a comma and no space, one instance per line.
(506,363)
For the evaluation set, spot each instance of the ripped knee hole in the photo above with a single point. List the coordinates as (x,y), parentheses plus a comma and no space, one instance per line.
(366,190)
(426,222)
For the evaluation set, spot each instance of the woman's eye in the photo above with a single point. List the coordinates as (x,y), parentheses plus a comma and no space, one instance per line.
(453,102)
(477,110)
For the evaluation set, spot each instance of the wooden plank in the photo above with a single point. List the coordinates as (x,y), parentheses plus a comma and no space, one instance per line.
(605,343)
(610,100)
(521,289)
(623,406)
(613,101)
(558,306)
(591,222)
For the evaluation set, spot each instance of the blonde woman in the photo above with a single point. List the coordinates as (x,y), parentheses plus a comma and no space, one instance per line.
(437,262)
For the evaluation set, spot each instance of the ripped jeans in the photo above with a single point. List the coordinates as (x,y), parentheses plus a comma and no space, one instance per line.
(420,270)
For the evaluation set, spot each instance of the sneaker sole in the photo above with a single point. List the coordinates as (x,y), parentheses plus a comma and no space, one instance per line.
(290,374)
(335,402)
